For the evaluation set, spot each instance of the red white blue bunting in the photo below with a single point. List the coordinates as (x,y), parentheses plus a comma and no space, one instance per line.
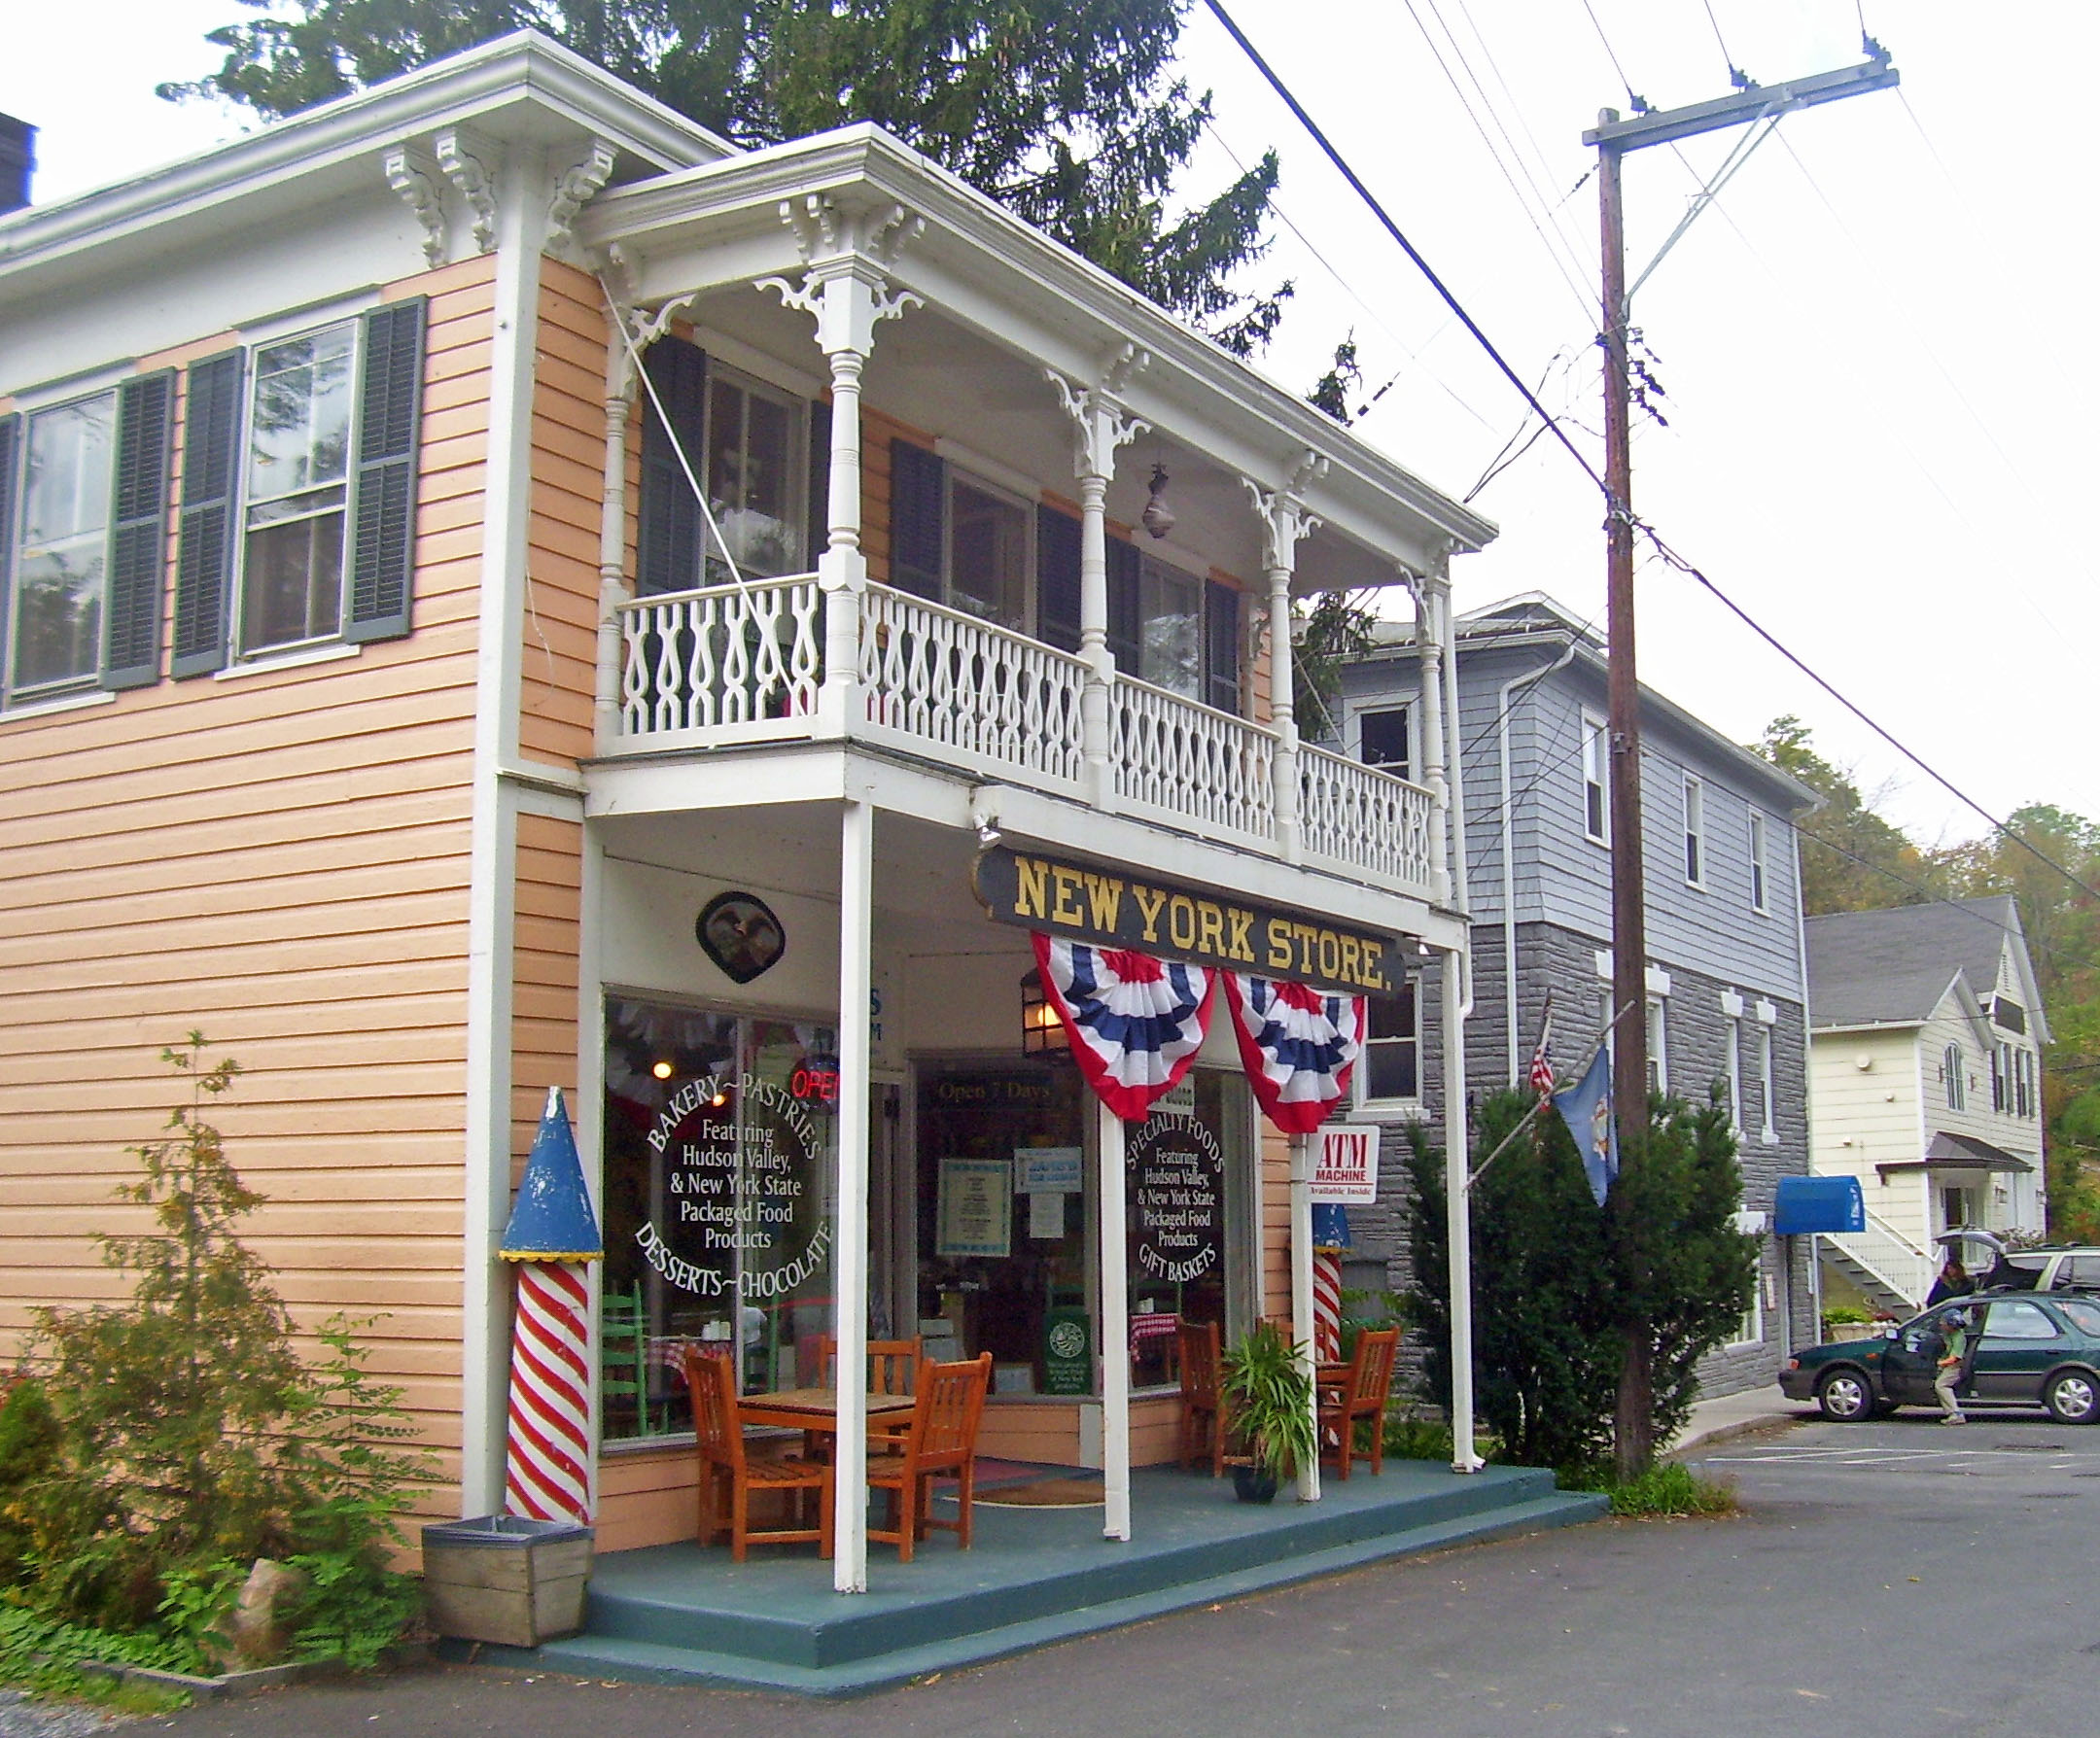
(1298,1046)
(1135,1023)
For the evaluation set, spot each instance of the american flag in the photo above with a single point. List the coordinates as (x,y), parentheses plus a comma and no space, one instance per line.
(1542,1075)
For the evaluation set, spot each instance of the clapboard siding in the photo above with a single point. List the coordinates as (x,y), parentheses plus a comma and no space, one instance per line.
(568,502)
(546,940)
(280,860)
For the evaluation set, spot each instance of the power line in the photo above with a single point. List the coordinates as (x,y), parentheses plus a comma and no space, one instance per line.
(1640,526)
(1393,230)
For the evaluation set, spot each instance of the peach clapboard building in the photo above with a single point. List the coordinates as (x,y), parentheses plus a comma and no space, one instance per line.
(506,590)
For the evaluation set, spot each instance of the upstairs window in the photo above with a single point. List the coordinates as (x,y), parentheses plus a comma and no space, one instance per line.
(1595,751)
(1391,1067)
(1760,887)
(2000,1055)
(751,446)
(960,541)
(298,461)
(84,555)
(1950,1071)
(1383,739)
(1695,832)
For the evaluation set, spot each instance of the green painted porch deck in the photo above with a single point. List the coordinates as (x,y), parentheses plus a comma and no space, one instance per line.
(682,1614)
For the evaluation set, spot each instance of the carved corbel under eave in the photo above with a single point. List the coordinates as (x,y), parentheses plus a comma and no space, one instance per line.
(838,243)
(414,174)
(469,164)
(577,188)
(639,326)
(1100,424)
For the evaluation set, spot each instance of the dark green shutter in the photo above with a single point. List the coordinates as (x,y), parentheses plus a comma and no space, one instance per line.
(205,534)
(10,445)
(918,518)
(820,483)
(671,531)
(138,544)
(1221,647)
(383,533)
(1126,616)
(1057,578)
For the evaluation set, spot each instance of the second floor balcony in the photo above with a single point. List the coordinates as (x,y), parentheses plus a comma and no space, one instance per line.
(753,663)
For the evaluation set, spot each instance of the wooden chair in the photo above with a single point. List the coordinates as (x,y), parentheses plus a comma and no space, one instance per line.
(1202,1413)
(1363,1394)
(729,1473)
(942,1444)
(893,1364)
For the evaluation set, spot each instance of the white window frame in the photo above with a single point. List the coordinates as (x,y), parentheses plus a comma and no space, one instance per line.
(1658,1017)
(797,408)
(1596,777)
(1767,1017)
(1028,505)
(239,652)
(1952,1064)
(1695,831)
(64,686)
(1750,1324)
(1759,866)
(1731,1013)
(1405,767)
(1360,1080)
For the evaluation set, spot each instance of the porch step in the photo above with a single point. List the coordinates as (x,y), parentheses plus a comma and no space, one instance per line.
(1027,1593)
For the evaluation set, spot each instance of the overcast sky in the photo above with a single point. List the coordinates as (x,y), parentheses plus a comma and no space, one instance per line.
(1876,377)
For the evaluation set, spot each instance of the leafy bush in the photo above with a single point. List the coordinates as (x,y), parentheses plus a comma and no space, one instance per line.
(167,1441)
(1845,1314)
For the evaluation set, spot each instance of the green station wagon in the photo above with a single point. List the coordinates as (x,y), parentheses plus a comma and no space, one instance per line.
(2034,1351)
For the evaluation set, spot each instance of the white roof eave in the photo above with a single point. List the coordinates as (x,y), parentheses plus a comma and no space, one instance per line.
(521,86)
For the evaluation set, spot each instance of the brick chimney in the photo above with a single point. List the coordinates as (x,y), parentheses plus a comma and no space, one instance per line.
(17,157)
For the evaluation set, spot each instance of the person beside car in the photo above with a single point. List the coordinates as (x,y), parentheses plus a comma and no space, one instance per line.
(1954,1340)
(1953,1282)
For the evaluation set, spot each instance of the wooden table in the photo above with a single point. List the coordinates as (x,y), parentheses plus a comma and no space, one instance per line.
(815,1410)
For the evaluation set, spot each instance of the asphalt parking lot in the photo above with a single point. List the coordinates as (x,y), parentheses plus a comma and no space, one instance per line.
(1894,1578)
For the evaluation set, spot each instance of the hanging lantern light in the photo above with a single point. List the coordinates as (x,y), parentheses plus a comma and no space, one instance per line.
(1158,518)
(1042,1032)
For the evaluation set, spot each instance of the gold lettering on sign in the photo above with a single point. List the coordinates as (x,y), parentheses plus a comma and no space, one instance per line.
(1151,901)
(1241,947)
(1280,945)
(1067,910)
(1031,888)
(1210,926)
(1104,900)
(1181,920)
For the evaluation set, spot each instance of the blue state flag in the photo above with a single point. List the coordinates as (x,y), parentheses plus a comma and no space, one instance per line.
(1586,1108)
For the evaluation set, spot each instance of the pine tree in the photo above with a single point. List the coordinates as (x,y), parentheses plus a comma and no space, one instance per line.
(1065,111)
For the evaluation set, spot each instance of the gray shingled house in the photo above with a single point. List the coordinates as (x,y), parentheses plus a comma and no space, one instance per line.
(1726,1008)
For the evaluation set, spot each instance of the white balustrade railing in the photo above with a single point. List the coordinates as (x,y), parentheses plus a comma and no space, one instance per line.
(722,657)
(729,664)
(1364,819)
(1884,1251)
(1170,755)
(942,677)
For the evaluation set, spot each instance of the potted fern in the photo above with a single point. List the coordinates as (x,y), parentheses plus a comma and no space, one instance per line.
(1267,1389)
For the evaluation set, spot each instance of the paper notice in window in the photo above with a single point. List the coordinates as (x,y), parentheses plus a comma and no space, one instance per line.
(1047,1215)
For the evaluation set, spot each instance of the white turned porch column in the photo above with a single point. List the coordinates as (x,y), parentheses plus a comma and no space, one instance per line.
(1429,648)
(844,289)
(1458,1213)
(1284,521)
(1099,428)
(613,533)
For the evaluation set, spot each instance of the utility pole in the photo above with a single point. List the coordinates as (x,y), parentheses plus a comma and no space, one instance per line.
(1614,138)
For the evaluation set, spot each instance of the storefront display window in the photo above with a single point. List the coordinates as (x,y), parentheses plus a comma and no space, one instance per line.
(721,1160)
(1188,1187)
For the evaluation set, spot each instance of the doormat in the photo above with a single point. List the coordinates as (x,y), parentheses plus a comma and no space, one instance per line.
(1047,1493)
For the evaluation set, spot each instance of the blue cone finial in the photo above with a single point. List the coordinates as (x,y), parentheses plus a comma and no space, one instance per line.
(552,1219)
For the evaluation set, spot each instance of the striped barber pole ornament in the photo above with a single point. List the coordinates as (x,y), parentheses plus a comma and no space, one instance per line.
(1135,1023)
(1327,1305)
(1298,1044)
(551,1235)
(548,1476)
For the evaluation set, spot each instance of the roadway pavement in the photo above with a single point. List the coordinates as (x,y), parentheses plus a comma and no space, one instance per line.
(1888,1578)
